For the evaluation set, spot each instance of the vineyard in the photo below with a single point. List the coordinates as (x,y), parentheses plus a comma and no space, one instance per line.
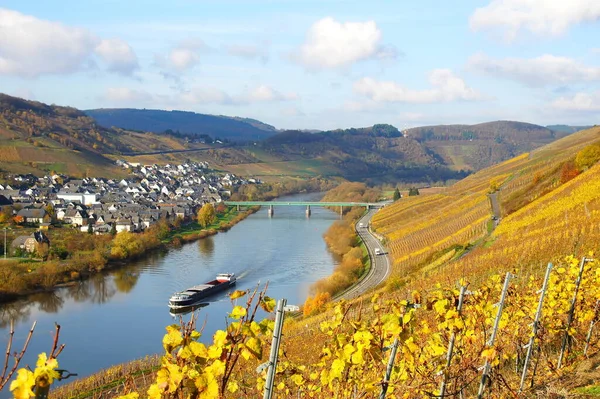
(548,208)
(517,334)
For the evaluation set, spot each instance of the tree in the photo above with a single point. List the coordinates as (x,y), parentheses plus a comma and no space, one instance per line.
(206,215)
(397,195)
(113,229)
(413,191)
(587,157)
(90,228)
(568,172)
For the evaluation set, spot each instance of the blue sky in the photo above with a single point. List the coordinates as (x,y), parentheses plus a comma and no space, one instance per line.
(311,64)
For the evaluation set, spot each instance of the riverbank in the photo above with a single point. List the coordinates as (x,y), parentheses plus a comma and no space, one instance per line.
(28,278)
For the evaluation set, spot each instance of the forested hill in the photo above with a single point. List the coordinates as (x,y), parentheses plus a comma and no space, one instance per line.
(377,153)
(191,123)
(429,153)
(36,137)
(478,146)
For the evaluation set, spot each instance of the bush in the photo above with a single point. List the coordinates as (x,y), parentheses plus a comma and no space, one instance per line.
(587,157)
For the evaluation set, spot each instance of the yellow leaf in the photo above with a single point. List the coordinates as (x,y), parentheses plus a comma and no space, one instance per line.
(255,347)
(154,392)
(21,386)
(198,349)
(268,304)
(219,338)
(238,312)
(237,294)
(357,357)
(232,386)
(298,379)
(280,386)
(214,351)
(440,307)
(172,339)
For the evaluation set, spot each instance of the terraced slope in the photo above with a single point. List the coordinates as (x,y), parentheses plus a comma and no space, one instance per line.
(546,213)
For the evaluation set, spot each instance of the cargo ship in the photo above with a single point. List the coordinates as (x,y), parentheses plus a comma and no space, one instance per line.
(194,294)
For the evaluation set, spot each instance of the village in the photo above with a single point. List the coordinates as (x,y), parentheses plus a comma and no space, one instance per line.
(105,206)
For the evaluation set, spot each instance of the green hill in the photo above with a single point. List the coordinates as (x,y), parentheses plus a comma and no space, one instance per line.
(475,147)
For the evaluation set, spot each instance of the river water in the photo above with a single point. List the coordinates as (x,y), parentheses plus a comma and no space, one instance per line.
(121,315)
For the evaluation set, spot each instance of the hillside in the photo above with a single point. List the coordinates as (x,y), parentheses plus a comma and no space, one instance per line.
(191,123)
(36,137)
(381,153)
(478,146)
(375,154)
(547,207)
(567,128)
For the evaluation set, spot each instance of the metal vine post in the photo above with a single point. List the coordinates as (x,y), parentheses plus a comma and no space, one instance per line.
(536,322)
(591,329)
(461,298)
(490,343)
(388,372)
(565,341)
(272,365)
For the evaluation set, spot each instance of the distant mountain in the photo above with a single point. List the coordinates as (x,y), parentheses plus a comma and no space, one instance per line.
(38,137)
(158,121)
(477,146)
(567,128)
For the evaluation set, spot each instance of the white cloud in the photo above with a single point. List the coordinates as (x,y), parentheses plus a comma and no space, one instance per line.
(264,93)
(30,47)
(118,55)
(412,116)
(580,102)
(546,69)
(185,55)
(332,44)
(206,95)
(446,87)
(124,95)
(248,51)
(259,94)
(540,17)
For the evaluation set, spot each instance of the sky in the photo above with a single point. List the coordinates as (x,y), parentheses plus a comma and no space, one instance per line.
(311,64)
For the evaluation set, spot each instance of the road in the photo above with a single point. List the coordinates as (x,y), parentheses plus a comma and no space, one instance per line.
(495,208)
(380,264)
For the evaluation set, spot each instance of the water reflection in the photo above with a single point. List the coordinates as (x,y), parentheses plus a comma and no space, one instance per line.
(177,312)
(18,311)
(49,302)
(102,289)
(206,246)
(125,279)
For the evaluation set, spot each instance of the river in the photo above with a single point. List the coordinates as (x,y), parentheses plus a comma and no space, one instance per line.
(121,315)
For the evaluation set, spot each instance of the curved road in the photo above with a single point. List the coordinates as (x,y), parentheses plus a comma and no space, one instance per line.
(380,264)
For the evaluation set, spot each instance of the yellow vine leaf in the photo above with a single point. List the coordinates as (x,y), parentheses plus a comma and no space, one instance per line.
(255,347)
(232,386)
(172,339)
(268,304)
(21,386)
(238,312)
(132,395)
(237,294)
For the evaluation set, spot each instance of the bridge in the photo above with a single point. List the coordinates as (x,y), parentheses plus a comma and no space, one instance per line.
(307,204)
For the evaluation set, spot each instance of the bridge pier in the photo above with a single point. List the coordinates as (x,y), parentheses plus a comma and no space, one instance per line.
(341,211)
(308,211)
(238,208)
(270,211)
